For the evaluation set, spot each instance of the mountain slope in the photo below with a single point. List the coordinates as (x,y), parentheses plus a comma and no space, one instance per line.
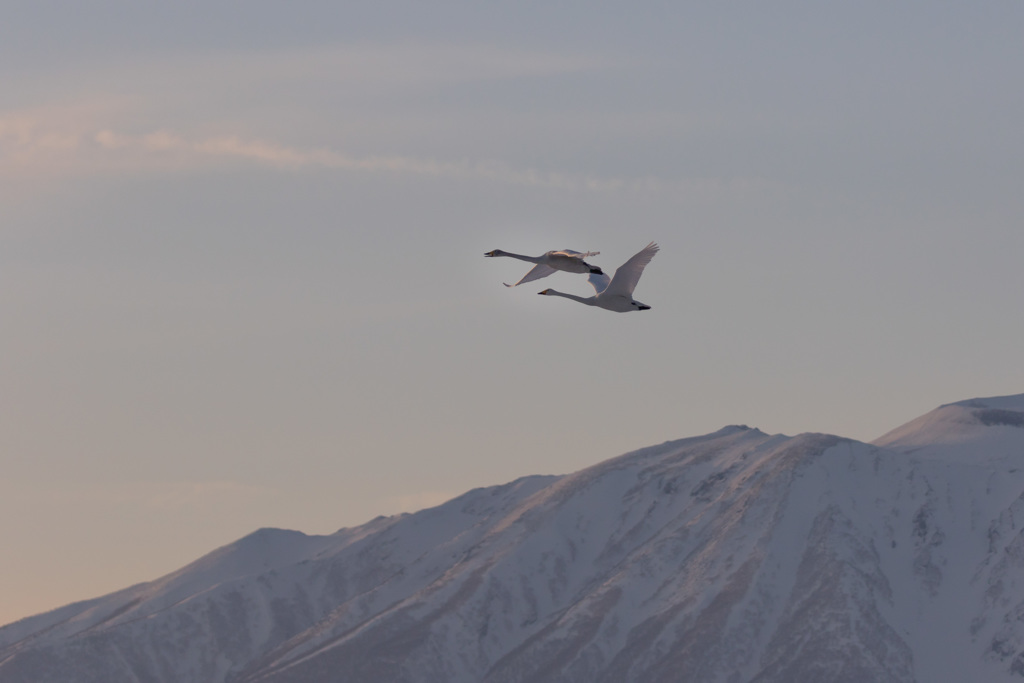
(735,556)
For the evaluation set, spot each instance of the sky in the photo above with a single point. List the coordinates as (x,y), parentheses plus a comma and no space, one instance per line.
(242,280)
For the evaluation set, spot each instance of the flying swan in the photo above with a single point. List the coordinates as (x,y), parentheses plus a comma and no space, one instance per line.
(566,259)
(616,294)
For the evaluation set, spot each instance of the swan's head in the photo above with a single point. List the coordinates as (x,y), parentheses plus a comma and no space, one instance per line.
(545,292)
(596,270)
(494,252)
(641,307)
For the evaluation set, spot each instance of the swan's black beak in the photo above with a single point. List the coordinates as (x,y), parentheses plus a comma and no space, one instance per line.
(490,253)
(544,292)
(643,308)
(596,270)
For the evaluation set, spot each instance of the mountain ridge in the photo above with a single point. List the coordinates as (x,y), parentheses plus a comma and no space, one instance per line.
(732,556)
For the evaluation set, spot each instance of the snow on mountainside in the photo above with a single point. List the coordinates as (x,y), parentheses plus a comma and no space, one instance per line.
(735,556)
(958,423)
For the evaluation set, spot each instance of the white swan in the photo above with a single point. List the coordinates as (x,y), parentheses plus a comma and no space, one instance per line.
(616,294)
(566,259)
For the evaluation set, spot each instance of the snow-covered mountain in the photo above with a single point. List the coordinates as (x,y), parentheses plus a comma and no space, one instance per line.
(737,556)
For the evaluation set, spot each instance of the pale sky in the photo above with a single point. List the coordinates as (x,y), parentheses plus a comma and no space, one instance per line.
(242,280)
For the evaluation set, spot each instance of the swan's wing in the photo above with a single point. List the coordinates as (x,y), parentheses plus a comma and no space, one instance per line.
(599,281)
(628,274)
(536,273)
(577,254)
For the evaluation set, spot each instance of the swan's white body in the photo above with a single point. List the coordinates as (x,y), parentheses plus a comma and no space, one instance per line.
(568,260)
(616,294)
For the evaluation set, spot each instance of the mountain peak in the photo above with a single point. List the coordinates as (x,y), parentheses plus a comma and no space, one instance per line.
(972,420)
(999,410)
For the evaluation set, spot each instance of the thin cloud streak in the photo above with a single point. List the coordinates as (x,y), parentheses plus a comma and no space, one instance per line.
(294,158)
(27,147)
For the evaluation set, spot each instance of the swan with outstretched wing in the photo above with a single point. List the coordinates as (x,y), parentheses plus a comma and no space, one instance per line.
(566,259)
(616,293)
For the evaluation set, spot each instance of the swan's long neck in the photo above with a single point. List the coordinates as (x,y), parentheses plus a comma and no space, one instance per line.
(588,300)
(531,259)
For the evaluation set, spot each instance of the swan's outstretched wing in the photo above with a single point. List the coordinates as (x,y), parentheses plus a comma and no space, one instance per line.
(568,260)
(537,272)
(628,274)
(599,281)
(577,254)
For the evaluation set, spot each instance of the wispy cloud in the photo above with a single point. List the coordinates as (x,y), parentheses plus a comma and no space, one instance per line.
(25,145)
(28,147)
(373,96)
